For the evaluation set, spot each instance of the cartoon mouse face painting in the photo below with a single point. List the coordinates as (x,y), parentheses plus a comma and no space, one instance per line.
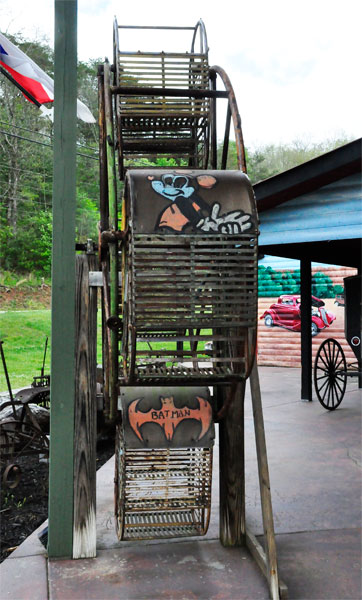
(187,208)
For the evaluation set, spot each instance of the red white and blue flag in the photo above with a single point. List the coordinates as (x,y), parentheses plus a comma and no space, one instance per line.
(31,78)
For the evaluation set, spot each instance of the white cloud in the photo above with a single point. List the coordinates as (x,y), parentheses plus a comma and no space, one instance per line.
(294,66)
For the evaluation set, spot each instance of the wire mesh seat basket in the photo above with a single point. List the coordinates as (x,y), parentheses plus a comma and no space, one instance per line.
(163,467)
(185,289)
(160,108)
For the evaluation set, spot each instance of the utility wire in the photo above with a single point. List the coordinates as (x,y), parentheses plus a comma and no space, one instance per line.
(39,133)
(24,170)
(44,144)
(33,200)
(45,183)
(25,129)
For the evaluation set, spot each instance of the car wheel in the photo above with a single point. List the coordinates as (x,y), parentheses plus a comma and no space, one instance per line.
(268,320)
(315,329)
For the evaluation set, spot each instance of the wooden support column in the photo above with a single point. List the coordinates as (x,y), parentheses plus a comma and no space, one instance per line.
(60,538)
(306,332)
(232,472)
(85,423)
(360,373)
(267,560)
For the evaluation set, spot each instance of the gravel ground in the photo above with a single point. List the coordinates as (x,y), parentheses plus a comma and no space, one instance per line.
(25,507)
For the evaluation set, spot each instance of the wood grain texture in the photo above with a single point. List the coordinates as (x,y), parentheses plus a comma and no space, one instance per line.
(84,529)
(257,552)
(264,483)
(232,472)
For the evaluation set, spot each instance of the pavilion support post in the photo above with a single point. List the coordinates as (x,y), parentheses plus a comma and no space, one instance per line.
(84,529)
(232,472)
(60,536)
(360,373)
(306,332)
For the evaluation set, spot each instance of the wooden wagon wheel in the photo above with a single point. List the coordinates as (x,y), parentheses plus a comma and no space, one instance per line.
(330,374)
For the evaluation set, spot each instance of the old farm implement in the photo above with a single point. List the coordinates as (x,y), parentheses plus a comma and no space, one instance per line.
(22,431)
(330,368)
(178,276)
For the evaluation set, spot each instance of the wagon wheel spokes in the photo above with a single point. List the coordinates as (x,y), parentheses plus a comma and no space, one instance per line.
(21,438)
(337,385)
(330,377)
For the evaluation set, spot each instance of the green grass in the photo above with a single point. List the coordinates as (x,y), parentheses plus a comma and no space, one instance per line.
(24,333)
(11,279)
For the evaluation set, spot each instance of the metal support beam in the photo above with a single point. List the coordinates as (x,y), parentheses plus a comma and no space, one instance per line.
(63,282)
(213,125)
(306,332)
(168,92)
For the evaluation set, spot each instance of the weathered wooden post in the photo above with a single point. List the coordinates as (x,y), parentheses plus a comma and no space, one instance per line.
(63,282)
(269,565)
(85,413)
(232,472)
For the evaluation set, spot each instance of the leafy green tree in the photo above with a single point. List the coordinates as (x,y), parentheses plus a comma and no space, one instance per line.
(21,254)
(271,159)
(26,168)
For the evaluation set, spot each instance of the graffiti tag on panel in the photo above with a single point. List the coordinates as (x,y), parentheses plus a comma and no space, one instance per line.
(188,208)
(169,417)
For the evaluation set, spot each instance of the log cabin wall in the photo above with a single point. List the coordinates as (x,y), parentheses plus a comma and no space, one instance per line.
(280,347)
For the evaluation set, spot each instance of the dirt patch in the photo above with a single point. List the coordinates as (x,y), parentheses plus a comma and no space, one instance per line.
(25,508)
(25,297)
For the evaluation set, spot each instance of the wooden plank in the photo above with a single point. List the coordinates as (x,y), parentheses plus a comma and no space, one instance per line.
(63,283)
(257,552)
(264,483)
(85,417)
(232,470)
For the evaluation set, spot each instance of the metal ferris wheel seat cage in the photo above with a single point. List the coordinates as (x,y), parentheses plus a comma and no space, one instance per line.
(190,277)
(163,462)
(161,107)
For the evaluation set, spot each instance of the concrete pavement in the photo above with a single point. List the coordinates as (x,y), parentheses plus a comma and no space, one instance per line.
(315,471)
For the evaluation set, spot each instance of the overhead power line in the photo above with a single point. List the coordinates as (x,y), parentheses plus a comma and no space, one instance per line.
(24,129)
(44,144)
(39,133)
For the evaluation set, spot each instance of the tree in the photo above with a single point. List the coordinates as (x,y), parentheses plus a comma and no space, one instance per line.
(26,168)
(271,159)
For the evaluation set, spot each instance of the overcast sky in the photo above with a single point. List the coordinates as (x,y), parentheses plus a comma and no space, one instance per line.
(295,66)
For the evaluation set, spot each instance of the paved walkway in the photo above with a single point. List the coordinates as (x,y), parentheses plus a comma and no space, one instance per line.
(315,467)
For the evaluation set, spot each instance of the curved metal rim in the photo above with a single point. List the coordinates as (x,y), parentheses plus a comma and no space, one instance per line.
(329,385)
(204,48)
(9,471)
(235,115)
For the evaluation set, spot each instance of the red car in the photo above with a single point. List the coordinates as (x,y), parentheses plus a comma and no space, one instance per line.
(286,313)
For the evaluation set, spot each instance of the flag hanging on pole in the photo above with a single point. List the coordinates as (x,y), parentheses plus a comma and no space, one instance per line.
(35,84)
